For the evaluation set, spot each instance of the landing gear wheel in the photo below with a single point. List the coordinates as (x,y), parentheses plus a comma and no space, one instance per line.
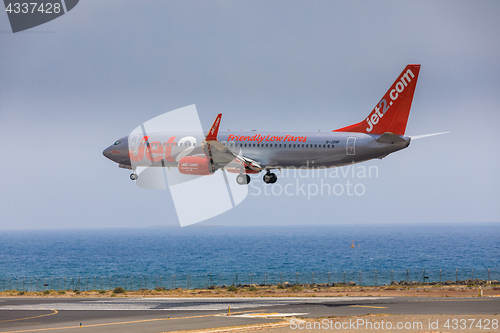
(134,176)
(270,178)
(243,179)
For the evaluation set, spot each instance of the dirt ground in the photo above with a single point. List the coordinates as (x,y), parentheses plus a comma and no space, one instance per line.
(274,291)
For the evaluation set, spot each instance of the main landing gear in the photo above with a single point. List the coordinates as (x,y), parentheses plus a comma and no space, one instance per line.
(270,178)
(133,176)
(243,179)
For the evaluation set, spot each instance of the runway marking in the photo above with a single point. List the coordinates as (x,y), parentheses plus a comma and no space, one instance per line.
(248,311)
(367,306)
(262,314)
(109,324)
(273,314)
(45,315)
(452,300)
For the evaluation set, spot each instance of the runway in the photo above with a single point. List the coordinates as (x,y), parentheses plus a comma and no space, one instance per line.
(170,314)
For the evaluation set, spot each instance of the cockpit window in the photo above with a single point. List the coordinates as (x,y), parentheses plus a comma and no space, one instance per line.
(117,143)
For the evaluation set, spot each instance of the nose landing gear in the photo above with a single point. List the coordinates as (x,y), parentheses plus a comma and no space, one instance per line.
(270,178)
(133,176)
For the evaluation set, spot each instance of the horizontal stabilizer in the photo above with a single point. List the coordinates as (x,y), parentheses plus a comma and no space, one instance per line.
(414,137)
(389,137)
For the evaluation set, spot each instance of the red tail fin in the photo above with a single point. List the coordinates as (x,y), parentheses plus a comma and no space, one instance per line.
(391,113)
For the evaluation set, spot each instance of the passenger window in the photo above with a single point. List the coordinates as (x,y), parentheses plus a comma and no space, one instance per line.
(254,144)
(315,146)
(280,145)
(328,146)
(266,144)
(324,146)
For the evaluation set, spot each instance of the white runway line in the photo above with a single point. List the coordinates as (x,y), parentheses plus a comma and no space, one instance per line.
(269,315)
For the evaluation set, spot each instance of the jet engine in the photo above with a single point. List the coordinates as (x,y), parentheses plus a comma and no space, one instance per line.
(195,165)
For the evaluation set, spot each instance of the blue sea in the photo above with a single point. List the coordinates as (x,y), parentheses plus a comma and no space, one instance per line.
(197,256)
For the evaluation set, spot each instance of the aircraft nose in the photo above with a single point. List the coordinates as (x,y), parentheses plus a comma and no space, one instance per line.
(107,152)
(118,152)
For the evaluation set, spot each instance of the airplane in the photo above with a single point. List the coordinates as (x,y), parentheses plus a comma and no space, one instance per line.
(378,135)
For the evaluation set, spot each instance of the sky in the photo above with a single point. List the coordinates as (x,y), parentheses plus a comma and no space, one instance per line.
(71,87)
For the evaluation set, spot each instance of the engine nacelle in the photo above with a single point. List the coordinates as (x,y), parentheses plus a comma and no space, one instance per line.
(194,165)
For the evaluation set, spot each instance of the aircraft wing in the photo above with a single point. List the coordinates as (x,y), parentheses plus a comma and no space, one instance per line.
(222,157)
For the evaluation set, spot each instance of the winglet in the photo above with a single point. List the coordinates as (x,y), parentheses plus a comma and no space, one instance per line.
(212,134)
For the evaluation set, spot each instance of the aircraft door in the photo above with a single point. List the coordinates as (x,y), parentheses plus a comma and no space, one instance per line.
(133,144)
(351,146)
